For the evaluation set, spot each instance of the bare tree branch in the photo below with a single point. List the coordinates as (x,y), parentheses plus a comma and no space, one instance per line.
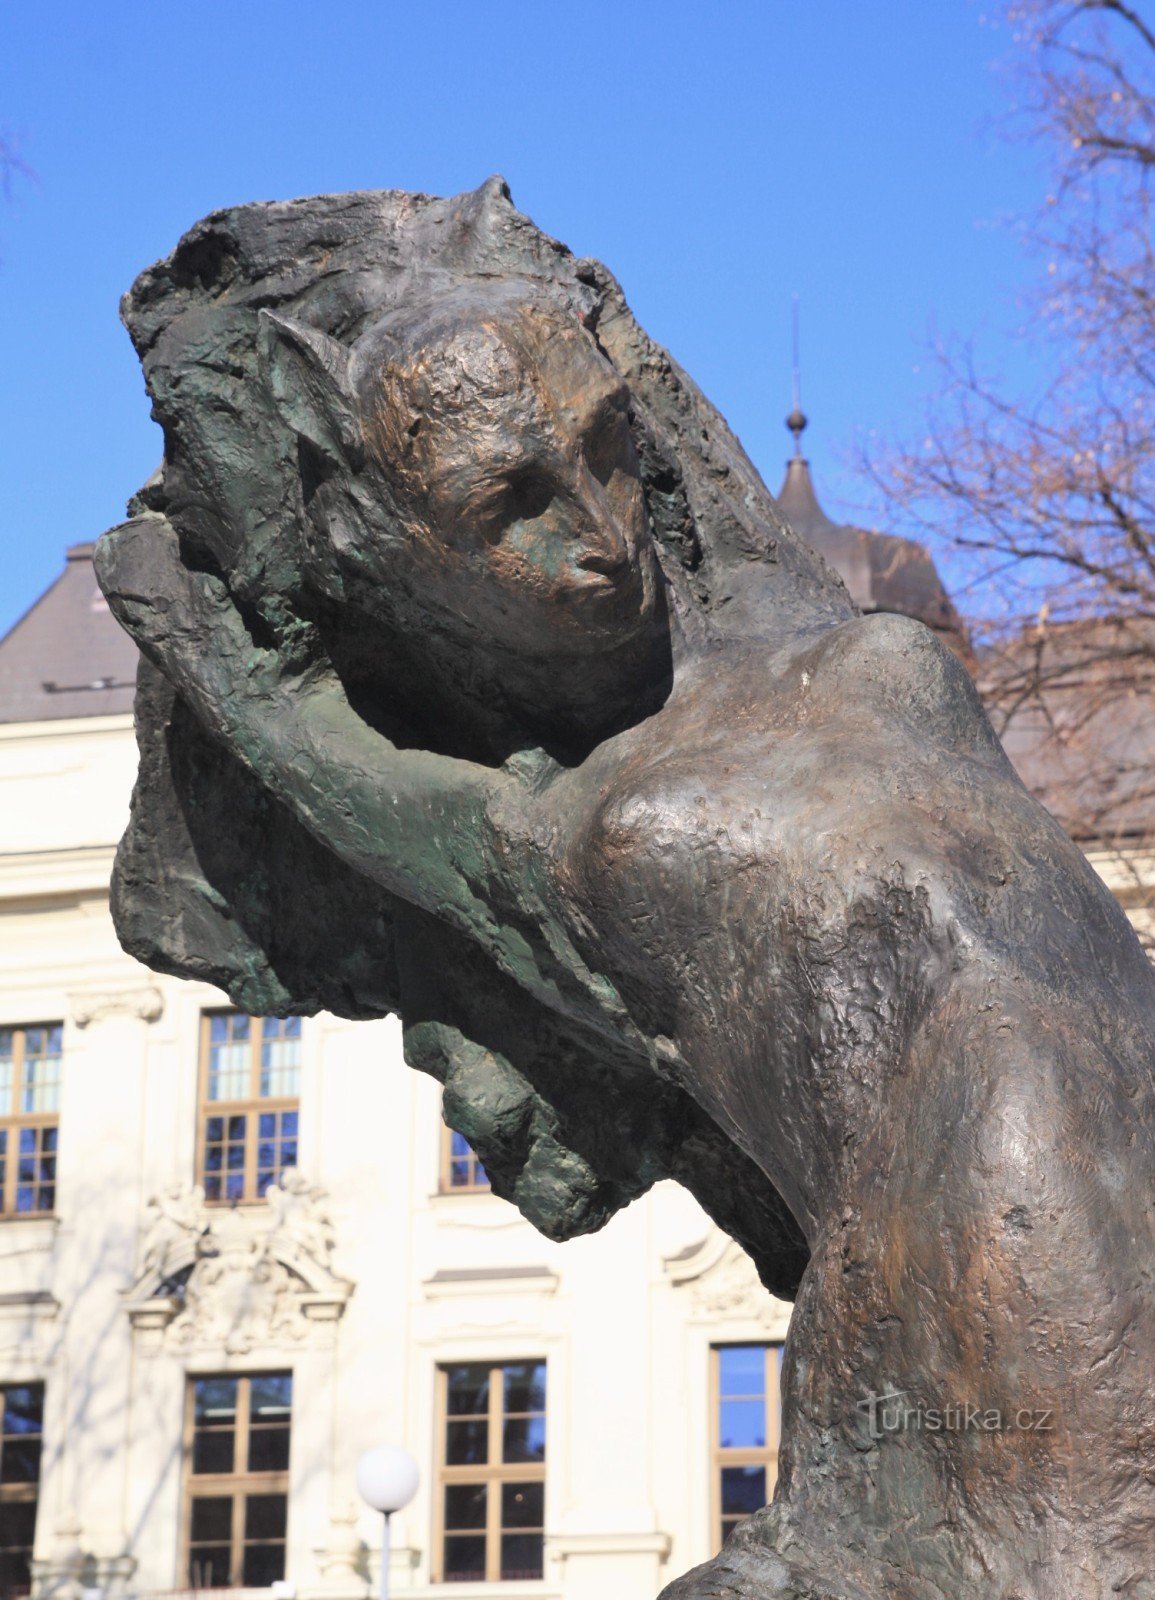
(1049,499)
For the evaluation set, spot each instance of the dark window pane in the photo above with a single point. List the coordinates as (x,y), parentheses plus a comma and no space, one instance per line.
(236,1128)
(466,1443)
(215,1129)
(214,1400)
(266,1125)
(17,1524)
(15,1572)
(743,1490)
(27,1145)
(19,1463)
(524,1439)
(213,1451)
(523,1505)
(263,1564)
(235,1186)
(468,1390)
(742,1369)
(265,1516)
(464,1559)
(289,1124)
(465,1506)
(521,1555)
(271,1396)
(269,1450)
(235,1157)
(525,1386)
(48,1142)
(212,1520)
(741,1424)
(208,1567)
(212,1188)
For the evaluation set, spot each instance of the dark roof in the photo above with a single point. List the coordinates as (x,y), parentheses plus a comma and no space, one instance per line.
(882,571)
(67,656)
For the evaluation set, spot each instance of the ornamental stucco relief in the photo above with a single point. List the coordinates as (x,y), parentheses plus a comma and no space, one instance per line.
(235,1279)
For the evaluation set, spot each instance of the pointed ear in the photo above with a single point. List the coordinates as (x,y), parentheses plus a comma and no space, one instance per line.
(307,374)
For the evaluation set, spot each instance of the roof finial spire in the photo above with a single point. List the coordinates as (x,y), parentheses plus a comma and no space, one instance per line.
(796,421)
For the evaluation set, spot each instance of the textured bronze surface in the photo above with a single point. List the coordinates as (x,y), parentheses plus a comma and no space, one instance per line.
(488,686)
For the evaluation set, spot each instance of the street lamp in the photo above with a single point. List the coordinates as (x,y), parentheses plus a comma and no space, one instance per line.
(387,1481)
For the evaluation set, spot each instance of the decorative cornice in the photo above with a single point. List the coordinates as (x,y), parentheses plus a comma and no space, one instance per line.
(698,1258)
(146,1004)
(724,1285)
(29,1302)
(491,1280)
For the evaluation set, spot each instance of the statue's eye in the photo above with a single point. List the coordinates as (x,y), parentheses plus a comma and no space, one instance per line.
(528,496)
(608,445)
(520,496)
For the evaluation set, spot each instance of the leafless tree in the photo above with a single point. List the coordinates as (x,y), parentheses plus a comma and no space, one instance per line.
(1051,498)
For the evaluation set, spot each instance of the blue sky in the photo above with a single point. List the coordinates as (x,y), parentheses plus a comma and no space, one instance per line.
(718,160)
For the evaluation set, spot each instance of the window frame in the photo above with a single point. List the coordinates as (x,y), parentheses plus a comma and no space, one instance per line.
(236,1485)
(445,1166)
(493,1474)
(22,1493)
(250,1108)
(13,1122)
(765,1456)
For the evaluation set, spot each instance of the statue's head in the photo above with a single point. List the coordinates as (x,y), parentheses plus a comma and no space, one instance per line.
(402,430)
(468,468)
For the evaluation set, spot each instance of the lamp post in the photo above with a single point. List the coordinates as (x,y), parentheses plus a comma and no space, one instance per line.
(387,1481)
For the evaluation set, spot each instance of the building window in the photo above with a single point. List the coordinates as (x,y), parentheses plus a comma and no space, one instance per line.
(30,1070)
(491,1493)
(461,1168)
(250,1081)
(237,1480)
(21,1432)
(746,1428)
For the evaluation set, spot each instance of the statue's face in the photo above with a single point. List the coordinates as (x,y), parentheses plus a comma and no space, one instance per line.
(505,436)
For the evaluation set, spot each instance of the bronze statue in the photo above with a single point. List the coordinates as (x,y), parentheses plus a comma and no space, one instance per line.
(489,686)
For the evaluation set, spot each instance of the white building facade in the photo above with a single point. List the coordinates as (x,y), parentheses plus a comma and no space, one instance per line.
(235,1253)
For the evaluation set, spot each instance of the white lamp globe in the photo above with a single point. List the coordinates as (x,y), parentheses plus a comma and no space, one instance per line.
(387,1478)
